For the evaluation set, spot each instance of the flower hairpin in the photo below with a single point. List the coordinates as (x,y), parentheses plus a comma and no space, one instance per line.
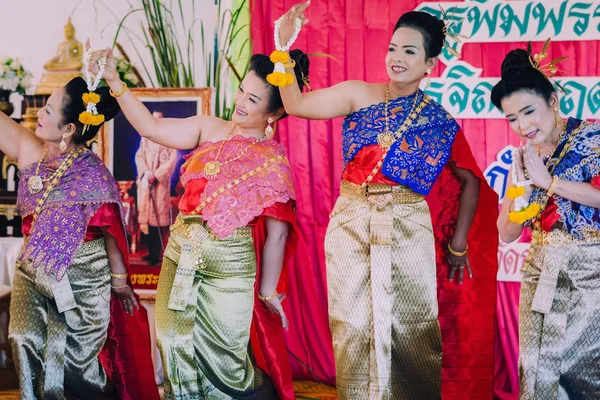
(550,69)
(457,37)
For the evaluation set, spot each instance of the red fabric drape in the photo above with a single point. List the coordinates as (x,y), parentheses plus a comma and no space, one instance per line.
(466,312)
(127,352)
(356,33)
(266,333)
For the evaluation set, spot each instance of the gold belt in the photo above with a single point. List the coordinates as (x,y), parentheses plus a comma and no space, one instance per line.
(194,228)
(559,237)
(395,194)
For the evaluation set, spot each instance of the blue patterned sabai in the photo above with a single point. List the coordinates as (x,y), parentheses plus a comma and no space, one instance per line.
(417,159)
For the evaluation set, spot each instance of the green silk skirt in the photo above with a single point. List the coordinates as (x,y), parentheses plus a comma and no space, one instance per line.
(204,307)
(57,329)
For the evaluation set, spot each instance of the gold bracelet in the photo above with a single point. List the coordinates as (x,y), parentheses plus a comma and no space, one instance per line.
(262,298)
(113,94)
(291,64)
(118,287)
(552,186)
(118,276)
(458,253)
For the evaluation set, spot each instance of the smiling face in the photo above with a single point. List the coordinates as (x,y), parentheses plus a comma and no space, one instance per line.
(252,102)
(530,115)
(406,59)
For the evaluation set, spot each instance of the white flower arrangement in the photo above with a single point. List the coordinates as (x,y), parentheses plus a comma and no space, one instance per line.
(125,70)
(13,77)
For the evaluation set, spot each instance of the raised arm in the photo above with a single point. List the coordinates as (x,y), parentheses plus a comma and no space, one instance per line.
(336,101)
(177,133)
(15,139)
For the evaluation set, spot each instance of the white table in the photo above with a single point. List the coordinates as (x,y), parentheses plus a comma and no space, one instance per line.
(9,251)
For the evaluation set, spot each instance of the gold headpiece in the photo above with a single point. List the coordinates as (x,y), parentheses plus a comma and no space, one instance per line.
(548,70)
(306,81)
(457,37)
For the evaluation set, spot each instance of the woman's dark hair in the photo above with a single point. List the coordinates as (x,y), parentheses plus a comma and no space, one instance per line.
(72,106)
(518,74)
(262,66)
(429,26)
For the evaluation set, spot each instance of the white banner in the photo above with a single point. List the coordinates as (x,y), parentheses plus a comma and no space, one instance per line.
(465,94)
(511,259)
(515,21)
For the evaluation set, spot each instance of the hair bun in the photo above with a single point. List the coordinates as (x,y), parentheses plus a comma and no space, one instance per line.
(302,67)
(517,62)
(108,106)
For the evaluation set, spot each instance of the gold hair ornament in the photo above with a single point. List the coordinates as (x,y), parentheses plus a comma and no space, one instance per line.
(548,70)
(457,37)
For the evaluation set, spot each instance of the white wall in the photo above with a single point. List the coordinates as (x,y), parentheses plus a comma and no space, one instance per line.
(32,29)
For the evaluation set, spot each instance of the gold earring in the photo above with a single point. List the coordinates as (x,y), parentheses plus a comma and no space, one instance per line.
(557,117)
(269,129)
(428,80)
(63,145)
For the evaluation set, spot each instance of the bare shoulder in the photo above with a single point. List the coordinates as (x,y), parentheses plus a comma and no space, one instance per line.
(369,94)
(30,149)
(214,129)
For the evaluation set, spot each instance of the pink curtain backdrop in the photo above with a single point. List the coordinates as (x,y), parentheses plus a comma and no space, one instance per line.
(357,33)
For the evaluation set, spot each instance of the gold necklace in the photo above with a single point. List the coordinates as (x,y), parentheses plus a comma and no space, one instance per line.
(213,168)
(64,166)
(35,182)
(387,138)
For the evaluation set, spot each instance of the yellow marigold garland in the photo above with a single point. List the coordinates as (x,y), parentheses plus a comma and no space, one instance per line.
(279,57)
(280,79)
(87,118)
(90,97)
(524,215)
(515,192)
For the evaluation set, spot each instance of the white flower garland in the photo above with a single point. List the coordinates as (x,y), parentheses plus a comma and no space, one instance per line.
(92,84)
(280,56)
(289,44)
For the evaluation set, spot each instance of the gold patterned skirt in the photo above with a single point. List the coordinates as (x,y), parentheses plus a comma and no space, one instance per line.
(559,319)
(204,306)
(57,329)
(381,275)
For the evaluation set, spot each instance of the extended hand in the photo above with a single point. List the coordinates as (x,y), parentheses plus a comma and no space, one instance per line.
(459,263)
(288,22)
(538,173)
(110,69)
(125,295)
(274,305)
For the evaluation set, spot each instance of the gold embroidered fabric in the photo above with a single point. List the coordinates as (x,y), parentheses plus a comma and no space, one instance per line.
(381,275)
(559,322)
(57,329)
(204,306)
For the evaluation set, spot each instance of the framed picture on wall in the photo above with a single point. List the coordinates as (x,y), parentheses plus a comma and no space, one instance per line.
(148,175)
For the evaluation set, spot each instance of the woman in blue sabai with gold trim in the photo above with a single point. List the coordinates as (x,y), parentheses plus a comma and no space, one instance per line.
(398,145)
(554,189)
